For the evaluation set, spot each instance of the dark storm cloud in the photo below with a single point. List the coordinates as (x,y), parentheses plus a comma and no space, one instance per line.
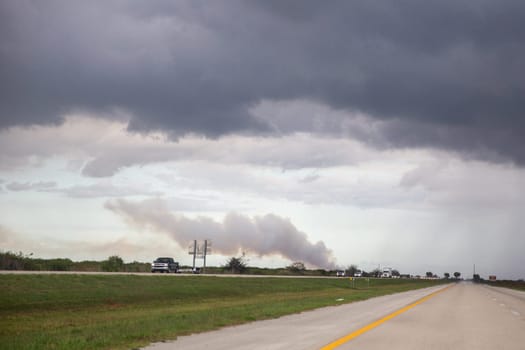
(444,74)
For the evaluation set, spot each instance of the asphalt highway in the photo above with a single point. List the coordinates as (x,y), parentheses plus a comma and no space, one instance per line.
(466,316)
(460,316)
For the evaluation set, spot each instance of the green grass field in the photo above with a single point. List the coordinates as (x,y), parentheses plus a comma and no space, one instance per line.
(127,311)
(518,285)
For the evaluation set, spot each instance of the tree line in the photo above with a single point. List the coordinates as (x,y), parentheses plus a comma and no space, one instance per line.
(20,261)
(236,265)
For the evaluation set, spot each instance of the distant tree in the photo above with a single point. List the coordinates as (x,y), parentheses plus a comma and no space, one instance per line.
(457,274)
(447,275)
(14,261)
(296,267)
(137,266)
(429,274)
(236,265)
(395,273)
(351,270)
(375,273)
(59,264)
(113,263)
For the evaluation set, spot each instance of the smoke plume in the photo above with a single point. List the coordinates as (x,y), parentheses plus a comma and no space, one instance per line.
(261,235)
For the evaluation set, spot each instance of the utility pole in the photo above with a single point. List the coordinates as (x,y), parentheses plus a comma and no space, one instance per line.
(194,253)
(205,251)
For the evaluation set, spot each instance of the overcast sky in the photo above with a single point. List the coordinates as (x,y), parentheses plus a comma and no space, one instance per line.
(374,133)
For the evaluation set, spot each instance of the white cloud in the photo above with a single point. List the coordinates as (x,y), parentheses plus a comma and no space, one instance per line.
(451,184)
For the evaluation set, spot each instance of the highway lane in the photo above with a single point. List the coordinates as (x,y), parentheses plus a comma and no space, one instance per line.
(466,316)
(463,316)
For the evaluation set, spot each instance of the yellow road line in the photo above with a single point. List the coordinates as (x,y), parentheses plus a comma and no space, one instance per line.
(374,324)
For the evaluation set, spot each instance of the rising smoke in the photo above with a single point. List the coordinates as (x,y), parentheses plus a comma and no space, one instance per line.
(261,235)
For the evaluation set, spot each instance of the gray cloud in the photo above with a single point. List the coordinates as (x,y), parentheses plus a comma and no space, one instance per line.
(100,148)
(106,189)
(96,190)
(444,74)
(262,235)
(31,186)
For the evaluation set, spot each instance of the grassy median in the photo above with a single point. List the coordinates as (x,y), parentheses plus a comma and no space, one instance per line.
(128,311)
(517,285)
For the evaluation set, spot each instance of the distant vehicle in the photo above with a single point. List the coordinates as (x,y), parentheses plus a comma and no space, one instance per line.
(358,273)
(340,273)
(196,270)
(165,265)
(387,272)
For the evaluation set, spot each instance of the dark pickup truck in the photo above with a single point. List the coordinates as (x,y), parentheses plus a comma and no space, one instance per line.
(165,265)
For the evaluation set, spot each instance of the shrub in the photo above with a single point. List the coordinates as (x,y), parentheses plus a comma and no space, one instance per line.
(113,264)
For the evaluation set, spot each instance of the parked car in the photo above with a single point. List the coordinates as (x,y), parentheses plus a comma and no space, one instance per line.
(358,273)
(340,273)
(164,265)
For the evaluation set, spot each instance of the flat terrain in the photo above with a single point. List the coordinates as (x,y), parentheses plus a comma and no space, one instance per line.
(123,311)
(462,316)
